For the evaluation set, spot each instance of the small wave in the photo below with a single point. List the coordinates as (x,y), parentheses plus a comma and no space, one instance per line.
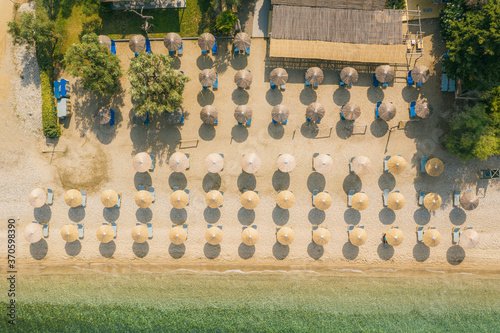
(432,271)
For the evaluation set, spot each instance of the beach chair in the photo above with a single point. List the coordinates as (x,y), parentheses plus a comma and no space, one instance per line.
(180,50)
(182,119)
(375,81)
(349,229)
(112,118)
(409,79)
(423,163)
(421,196)
(420,234)
(150,230)
(203,51)
(142,188)
(283,86)
(451,85)
(113,47)
(455,235)
(273,86)
(189,165)
(349,198)
(45,229)
(152,163)
(64,92)
(350,164)
(247,51)
(249,122)
(341,83)
(384,197)
(152,191)
(136,54)
(175,188)
(119,202)
(376,110)
(419,84)
(50,197)
(214,48)
(146,121)
(307,83)
(115,228)
(412,109)
(80,231)
(444,82)
(236,50)
(57,91)
(456,198)
(84,198)
(386,160)
(314,156)
(216,83)
(385,84)
(171,53)
(315,193)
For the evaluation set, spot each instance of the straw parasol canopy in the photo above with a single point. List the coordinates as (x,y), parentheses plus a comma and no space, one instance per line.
(396,164)
(315,112)
(214,199)
(38,197)
(323,163)
(384,73)
(469,201)
(172,41)
(432,237)
(357,236)
(361,165)
(206,41)
(286,163)
(285,199)
(214,235)
(359,201)
(214,163)
(140,234)
(143,199)
(142,162)
(243,78)
(469,238)
(280,113)
(322,201)
(33,232)
(69,233)
(105,41)
(105,233)
(207,77)
(178,162)
(285,236)
(104,115)
(321,236)
(420,74)
(394,237)
(250,200)
(73,198)
(137,43)
(349,75)
(109,198)
(250,163)
(174,118)
(395,201)
(249,236)
(177,235)
(179,199)
(422,108)
(350,111)
(314,76)
(243,113)
(432,201)
(434,167)
(279,76)
(209,114)
(242,41)
(387,111)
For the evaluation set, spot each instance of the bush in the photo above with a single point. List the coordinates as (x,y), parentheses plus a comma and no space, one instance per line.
(226,22)
(51,128)
(395,4)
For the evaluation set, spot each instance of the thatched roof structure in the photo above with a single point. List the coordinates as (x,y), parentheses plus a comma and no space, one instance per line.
(339,4)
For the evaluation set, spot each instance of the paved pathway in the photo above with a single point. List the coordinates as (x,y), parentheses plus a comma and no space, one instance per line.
(261,18)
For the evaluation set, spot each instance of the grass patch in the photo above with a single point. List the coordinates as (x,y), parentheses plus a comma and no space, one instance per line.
(70,30)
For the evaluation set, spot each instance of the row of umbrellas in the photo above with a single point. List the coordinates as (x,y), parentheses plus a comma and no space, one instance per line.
(242,78)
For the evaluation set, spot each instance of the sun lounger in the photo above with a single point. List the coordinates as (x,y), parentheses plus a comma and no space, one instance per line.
(376,109)
(273,86)
(385,196)
(456,199)
(409,79)
(115,229)
(64,93)
(84,198)
(182,119)
(152,163)
(112,118)
(236,50)
(386,168)
(421,196)
(150,230)
(50,197)
(307,83)
(45,229)
(419,84)
(216,83)
(171,53)
(249,122)
(146,121)
(420,234)
(113,47)
(142,188)
(315,192)
(203,51)
(119,203)
(349,229)
(412,109)
(283,86)
(185,227)
(152,191)
(455,235)
(349,198)
(489,174)
(214,48)
(189,165)
(247,51)
(136,54)
(451,85)
(375,81)
(180,50)
(423,163)
(350,164)
(80,231)
(341,83)
(57,91)
(385,84)
(444,82)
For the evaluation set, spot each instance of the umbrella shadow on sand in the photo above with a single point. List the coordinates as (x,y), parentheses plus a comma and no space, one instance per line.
(421,252)
(385,252)
(280,216)
(455,255)
(246,216)
(246,251)
(144,215)
(386,181)
(140,249)
(178,216)
(316,216)
(344,129)
(280,251)
(177,179)
(73,248)
(142,178)
(207,132)
(42,214)
(387,216)
(176,251)
(458,216)
(276,131)
(211,215)
(246,181)
(316,181)
(76,214)
(309,130)
(204,62)
(206,97)
(211,251)
(350,251)
(39,249)
(111,214)
(239,133)
(352,182)
(274,97)
(281,180)
(107,249)
(352,216)
(315,251)
(211,181)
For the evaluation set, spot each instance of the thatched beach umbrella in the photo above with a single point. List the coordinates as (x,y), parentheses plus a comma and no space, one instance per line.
(207,77)
(33,232)
(143,199)
(73,198)
(69,233)
(140,234)
(359,201)
(243,113)
(394,237)
(137,43)
(387,111)
(396,164)
(105,41)
(206,41)
(322,201)
(214,199)
(109,198)
(422,109)
(249,236)
(177,235)
(214,163)
(432,237)
(323,163)
(361,165)
(469,201)
(350,111)
(286,163)
(174,118)
(279,76)
(142,162)
(280,113)
(469,238)
(250,163)
(285,199)
(358,236)
(242,41)
(104,115)
(179,199)
(172,41)
(178,162)
(38,197)
(285,236)
(315,112)
(395,201)
(209,114)
(105,233)
(432,201)
(214,235)
(349,75)
(250,200)
(321,236)
(314,76)
(243,79)
(384,73)
(420,74)
(434,167)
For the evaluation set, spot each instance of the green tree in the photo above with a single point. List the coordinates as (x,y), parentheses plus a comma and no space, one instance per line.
(98,68)
(31,30)
(156,87)
(226,21)
(395,4)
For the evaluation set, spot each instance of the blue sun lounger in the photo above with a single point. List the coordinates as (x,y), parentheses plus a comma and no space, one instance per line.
(273,86)
(236,50)
(376,109)
(64,92)
(214,49)
(412,109)
(112,118)
(247,51)
(180,50)
(341,83)
(113,47)
(375,81)
(444,82)
(57,91)
(148,46)
(216,83)
(409,79)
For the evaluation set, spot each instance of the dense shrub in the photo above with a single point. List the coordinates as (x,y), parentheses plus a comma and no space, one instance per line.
(226,21)
(51,128)
(395,4)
